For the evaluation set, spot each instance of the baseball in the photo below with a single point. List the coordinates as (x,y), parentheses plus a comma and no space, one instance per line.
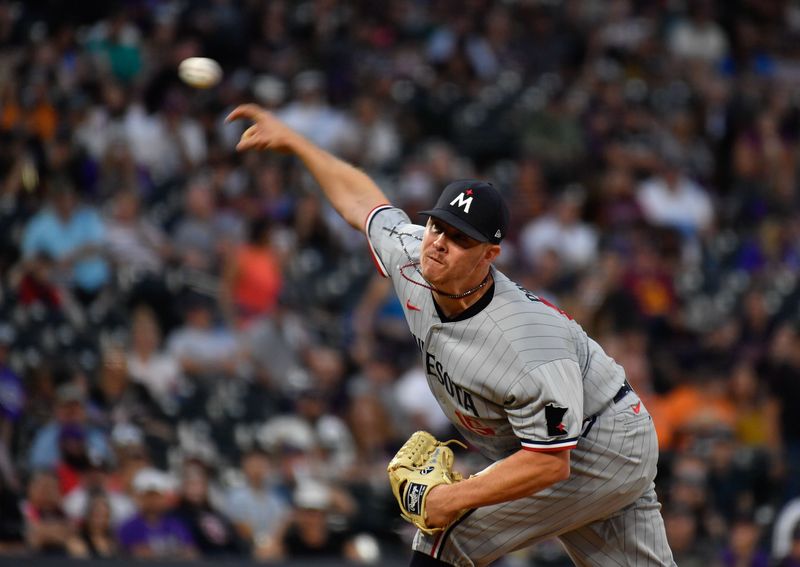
(200,72)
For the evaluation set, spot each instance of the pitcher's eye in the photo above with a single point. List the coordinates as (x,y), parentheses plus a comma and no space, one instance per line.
(463,240)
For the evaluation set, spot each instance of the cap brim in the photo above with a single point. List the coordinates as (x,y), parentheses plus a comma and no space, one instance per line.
(456,222)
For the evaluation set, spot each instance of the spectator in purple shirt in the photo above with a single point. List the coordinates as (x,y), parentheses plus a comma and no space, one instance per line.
(743,545)
(12,402)
(12,394)
(153,532)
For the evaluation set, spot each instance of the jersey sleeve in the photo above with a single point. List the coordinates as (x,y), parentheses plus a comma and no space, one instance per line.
(393,240)
(545,407)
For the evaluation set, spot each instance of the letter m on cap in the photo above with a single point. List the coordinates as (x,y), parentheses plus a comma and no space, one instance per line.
(460,201)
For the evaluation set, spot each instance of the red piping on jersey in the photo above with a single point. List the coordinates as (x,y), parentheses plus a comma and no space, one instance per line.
(375,260)
(550,449)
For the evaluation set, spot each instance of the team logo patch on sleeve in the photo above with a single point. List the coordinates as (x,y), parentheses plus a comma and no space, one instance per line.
(414,497)
(554,416)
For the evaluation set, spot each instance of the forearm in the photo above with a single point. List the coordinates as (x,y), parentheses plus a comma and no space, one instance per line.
(522,474)
(349,190)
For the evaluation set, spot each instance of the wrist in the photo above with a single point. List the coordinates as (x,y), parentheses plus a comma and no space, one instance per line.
(297,145)
(447,498)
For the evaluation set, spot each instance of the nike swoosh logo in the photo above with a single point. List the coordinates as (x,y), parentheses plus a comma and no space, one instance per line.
(412,307)
(637,408)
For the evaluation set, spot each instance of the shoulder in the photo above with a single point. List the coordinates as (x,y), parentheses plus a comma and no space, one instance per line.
(384,216)
(526,307)
(391,234)
(42,219)
(536,329)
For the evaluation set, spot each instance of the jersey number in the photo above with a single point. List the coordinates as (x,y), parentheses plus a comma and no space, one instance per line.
(474,425)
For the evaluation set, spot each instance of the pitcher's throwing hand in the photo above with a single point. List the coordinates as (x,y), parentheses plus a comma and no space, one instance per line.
(266,132)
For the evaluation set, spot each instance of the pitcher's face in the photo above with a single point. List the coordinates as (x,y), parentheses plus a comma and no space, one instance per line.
(452,261)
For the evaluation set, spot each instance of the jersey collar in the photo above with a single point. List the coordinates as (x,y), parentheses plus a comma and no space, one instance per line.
(470,311)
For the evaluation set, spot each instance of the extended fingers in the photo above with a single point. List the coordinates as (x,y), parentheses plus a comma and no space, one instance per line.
(248,143)
(265,133)
(249,111)
(250,139)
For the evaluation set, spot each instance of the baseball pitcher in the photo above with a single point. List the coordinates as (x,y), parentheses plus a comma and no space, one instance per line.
(574,448)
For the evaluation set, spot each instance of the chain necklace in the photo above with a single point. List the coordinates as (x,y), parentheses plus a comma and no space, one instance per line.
(430,286)
(415,264)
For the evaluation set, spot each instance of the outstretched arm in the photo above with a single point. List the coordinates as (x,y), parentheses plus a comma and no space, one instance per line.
(351,192)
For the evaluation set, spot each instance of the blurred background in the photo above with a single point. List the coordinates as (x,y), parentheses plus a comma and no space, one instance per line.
(197,358)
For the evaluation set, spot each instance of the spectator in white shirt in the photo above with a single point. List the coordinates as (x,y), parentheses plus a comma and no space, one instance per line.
(561,231)
(671,199)
(699,37)
(202,348)
(97,480)
(203,234)
(255,506)
(371,140)
(786,529)
(131,241)
(415,398)
(157,370)
(312,116)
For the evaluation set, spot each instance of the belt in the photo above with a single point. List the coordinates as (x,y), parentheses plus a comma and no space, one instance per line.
(621,393)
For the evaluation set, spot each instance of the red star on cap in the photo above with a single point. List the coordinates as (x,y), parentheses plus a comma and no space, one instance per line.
(469,191)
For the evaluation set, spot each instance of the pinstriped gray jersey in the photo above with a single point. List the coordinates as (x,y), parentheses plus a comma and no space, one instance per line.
(517,374)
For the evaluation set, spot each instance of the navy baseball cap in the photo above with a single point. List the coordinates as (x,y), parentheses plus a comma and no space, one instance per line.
(474,207)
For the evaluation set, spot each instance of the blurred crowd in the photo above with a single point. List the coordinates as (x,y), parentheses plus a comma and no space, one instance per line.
(196,356)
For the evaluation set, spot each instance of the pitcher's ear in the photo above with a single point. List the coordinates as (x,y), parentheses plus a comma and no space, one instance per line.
(492,252)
